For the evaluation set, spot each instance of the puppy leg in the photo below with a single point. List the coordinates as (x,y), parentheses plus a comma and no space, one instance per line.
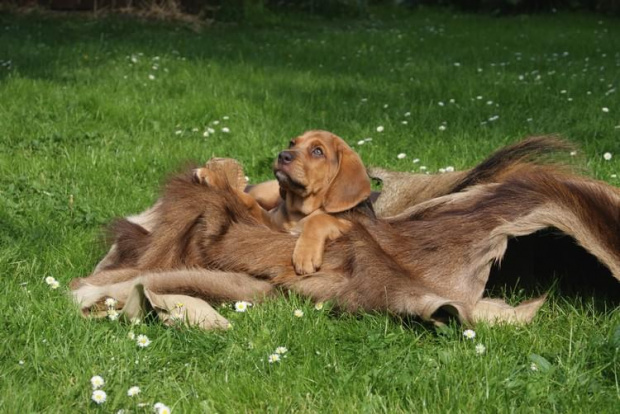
(315,230)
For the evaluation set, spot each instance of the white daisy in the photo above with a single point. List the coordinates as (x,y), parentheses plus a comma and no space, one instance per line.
(605,109)
(449,168)
(480,349)
(273,358)
(152,77)
(55,284)
(113,314)
(281,350)
(133,391)
(407,113)
(469,334)
(49,280)
(143,341)
(361,142)
(380,129)
(111,302)
(161,408)
(318,306)
(298,313)
(225,130)
(242,306)
(607,156)
(131,335)
(99,396)
(97,382)
(533,366)
(442,127)
(401,156)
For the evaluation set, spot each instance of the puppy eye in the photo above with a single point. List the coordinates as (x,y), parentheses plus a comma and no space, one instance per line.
(291,144)
(317,152)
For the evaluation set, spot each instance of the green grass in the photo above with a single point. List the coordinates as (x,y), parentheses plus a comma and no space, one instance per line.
(80,121)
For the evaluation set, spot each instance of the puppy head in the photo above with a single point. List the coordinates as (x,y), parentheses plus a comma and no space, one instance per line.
(322,171)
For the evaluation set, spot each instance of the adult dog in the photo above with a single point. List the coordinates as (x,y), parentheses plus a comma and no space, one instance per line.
(431,260)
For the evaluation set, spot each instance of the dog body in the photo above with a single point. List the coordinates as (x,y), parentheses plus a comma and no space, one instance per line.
(318,177)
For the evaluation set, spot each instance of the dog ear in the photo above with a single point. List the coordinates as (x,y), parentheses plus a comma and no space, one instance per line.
(351,184)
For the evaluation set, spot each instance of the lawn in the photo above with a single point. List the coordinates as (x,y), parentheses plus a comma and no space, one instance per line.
(95,114)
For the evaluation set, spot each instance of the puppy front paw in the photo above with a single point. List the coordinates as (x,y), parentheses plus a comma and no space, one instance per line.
(307,257)
(220,173)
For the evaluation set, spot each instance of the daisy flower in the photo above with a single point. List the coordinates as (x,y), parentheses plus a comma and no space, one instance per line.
(533,366)
(113,314)
(111,302)
(361,142)
(318,305)
(281,350)
(449,168)
(298,313)
(55,284)
(133,391)
(131,335)
(242,306)
(49,280)
(607,156)
(380,129)
(97,382)
(401,155)
(143,341)
(161,408)
(273,358)
(442,127)
(99,396)
(469,334)
(605,109)
(225,130)
(152,77)
(480,349)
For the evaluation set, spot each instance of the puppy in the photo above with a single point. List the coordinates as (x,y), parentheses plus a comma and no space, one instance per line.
(317,177)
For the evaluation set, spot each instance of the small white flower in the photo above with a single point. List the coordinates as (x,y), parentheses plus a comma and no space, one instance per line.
(298,313)
(401,156)
(55,284)
(178,132)
(404,122)
(361,142)
(605,109)
(111,302)
(442,170)
(133,391)
(449,168)
(113,314)
(385,106)
(422,167)
(143,341)
(225,118)
(533,366)
(152,77)
(205,134)
(480,349)
(215,122)
(380,129)
(49,280)
(407,113)
(281,350)
(21,362)
(607,156)
(161,408)
(136,321)
(440,103)
(318,306)
(273,358)
(451,101)
(614,176)
(97,382)
(494,118)
(99,396)
(442,127)
(416,160)
(573,153)
(131,335)
(242,306)
(457,64)
(194,129)
(489,102)
(469,334)
(367,139)
(211,130)
(225,130)
(479,97)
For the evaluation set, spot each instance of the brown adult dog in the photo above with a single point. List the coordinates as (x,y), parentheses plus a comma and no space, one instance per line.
(432,258)
(318,176)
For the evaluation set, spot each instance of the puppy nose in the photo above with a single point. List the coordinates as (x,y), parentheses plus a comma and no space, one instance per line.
(285,157)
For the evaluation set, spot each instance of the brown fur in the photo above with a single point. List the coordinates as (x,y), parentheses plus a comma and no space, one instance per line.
(430,260)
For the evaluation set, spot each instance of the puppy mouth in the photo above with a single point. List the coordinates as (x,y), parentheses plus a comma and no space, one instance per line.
(287,182)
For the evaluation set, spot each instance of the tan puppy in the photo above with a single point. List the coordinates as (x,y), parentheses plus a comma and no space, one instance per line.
(318,176)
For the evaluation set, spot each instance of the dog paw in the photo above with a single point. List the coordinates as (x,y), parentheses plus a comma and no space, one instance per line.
(221,173)
(306,259)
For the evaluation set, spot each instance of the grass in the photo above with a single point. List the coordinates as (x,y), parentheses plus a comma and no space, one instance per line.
(86,135)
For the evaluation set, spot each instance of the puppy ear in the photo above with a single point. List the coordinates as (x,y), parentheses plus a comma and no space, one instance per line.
(351,185)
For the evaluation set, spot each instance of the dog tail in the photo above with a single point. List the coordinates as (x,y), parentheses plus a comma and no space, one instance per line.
(534,150)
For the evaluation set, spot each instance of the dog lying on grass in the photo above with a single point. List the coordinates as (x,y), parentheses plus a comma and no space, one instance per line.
(318,177)
(431,260)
